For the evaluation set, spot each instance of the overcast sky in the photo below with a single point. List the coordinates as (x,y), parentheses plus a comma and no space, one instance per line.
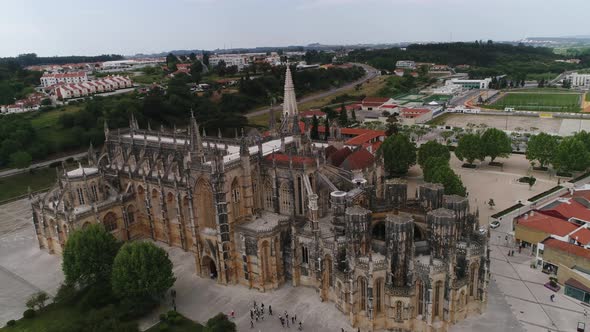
(82,27)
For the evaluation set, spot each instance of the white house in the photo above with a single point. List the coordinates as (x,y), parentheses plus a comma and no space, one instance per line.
(67,78)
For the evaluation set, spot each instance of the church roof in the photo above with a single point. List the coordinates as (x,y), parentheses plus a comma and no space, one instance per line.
(339,156)
(360,159)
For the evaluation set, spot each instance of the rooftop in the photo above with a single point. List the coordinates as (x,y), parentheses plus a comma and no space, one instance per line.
(546,223)
(567,247)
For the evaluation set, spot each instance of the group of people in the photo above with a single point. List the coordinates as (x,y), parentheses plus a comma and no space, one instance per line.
(257,314)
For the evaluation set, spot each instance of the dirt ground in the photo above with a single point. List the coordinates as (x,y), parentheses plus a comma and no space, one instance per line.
(547,125)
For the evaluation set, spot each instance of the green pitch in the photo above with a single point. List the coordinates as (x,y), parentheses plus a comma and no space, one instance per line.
(541,102)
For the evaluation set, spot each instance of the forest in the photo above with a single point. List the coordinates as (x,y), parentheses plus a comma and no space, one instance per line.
(74,127)
(31,59)
(15,82)
(485,58)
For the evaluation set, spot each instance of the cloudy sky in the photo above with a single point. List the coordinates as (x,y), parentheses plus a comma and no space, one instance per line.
(82,27)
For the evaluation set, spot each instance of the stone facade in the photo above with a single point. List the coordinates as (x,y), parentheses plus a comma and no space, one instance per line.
(265,211)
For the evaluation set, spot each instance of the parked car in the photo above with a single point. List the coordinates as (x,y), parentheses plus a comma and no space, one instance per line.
(495,224)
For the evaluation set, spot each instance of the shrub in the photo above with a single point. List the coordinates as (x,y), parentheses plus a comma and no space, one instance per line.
(163,327)
(29,313)
(11,322)
(163,317)
(66,294)
(37,300)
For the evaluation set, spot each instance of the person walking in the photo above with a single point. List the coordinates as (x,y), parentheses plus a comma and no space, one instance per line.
(300,327)
(251,324)
(251,314)
(270,310)
(293,320)
(552,297)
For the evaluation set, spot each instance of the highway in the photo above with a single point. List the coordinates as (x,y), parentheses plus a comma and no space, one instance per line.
(370,74)
(14,171)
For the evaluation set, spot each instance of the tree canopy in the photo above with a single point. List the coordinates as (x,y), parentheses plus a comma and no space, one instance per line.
(542,148)
(495,143)
(399,154)
(220,323)
(451,181)
(571,155)
(88,255)
(141,270)
(432,149)
(470,148)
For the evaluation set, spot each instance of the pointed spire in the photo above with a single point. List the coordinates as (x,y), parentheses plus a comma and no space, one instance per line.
(219,133)
(149,126)
(289,100)
(91,155)
(244,150)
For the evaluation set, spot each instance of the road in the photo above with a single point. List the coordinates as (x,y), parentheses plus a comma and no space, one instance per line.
(14,171)
(370,74)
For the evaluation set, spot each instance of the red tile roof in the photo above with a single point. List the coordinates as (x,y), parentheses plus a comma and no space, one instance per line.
(572,209)
(364,138)
(338,157)
(567,247)
(548,224)
(284,159)
(582,235)
(360,159)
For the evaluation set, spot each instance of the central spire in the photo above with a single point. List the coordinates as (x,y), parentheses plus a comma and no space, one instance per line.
(289,101)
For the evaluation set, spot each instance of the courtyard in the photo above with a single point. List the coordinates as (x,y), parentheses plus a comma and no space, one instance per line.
(517,299)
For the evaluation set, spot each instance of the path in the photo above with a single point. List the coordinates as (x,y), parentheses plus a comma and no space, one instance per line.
(14,171)
(370,74)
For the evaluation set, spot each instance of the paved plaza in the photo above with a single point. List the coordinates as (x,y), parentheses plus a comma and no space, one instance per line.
(518,301)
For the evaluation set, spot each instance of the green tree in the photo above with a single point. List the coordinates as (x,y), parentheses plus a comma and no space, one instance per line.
(399,154)
(326,128)
(88,255)
(353,116)
(469,148)
(37,300)
(192,56)
(541,147)
(432,149)
(432,164)
(20,159)
(496,143)
(171,61)
(571,155)
(220,323)
(141,270)
(343,117)
(315,123)
(451,181)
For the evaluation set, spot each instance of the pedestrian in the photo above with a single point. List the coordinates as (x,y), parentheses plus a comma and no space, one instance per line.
(300,327)
(293,320)
(251,314)
(270,310)
(359,329)
(251,324)
(256,317)
(262,316)
(287,315)
(295,317)
(342,330)
(552,297)
(282,322)
(262,306)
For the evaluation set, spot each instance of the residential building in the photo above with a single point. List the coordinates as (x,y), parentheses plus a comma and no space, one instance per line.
(63,91)
(67,78)
(412,116)
(579,80)
(377,104)
(405,64)
(238,60)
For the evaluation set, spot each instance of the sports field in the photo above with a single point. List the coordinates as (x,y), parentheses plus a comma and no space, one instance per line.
(539,101)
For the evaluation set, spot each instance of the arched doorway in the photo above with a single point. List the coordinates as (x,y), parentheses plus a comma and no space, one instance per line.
(208,266)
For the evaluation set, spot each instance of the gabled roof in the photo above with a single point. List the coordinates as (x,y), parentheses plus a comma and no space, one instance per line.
(570,208)
(360,159)
(582,235)
(548,224)
(339,156)
(567,247)
(284,159)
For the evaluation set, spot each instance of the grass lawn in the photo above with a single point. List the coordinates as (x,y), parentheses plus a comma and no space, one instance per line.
(541,101)
(587,98)
(17,185)
(183,325)
(48,119)
(51,318)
